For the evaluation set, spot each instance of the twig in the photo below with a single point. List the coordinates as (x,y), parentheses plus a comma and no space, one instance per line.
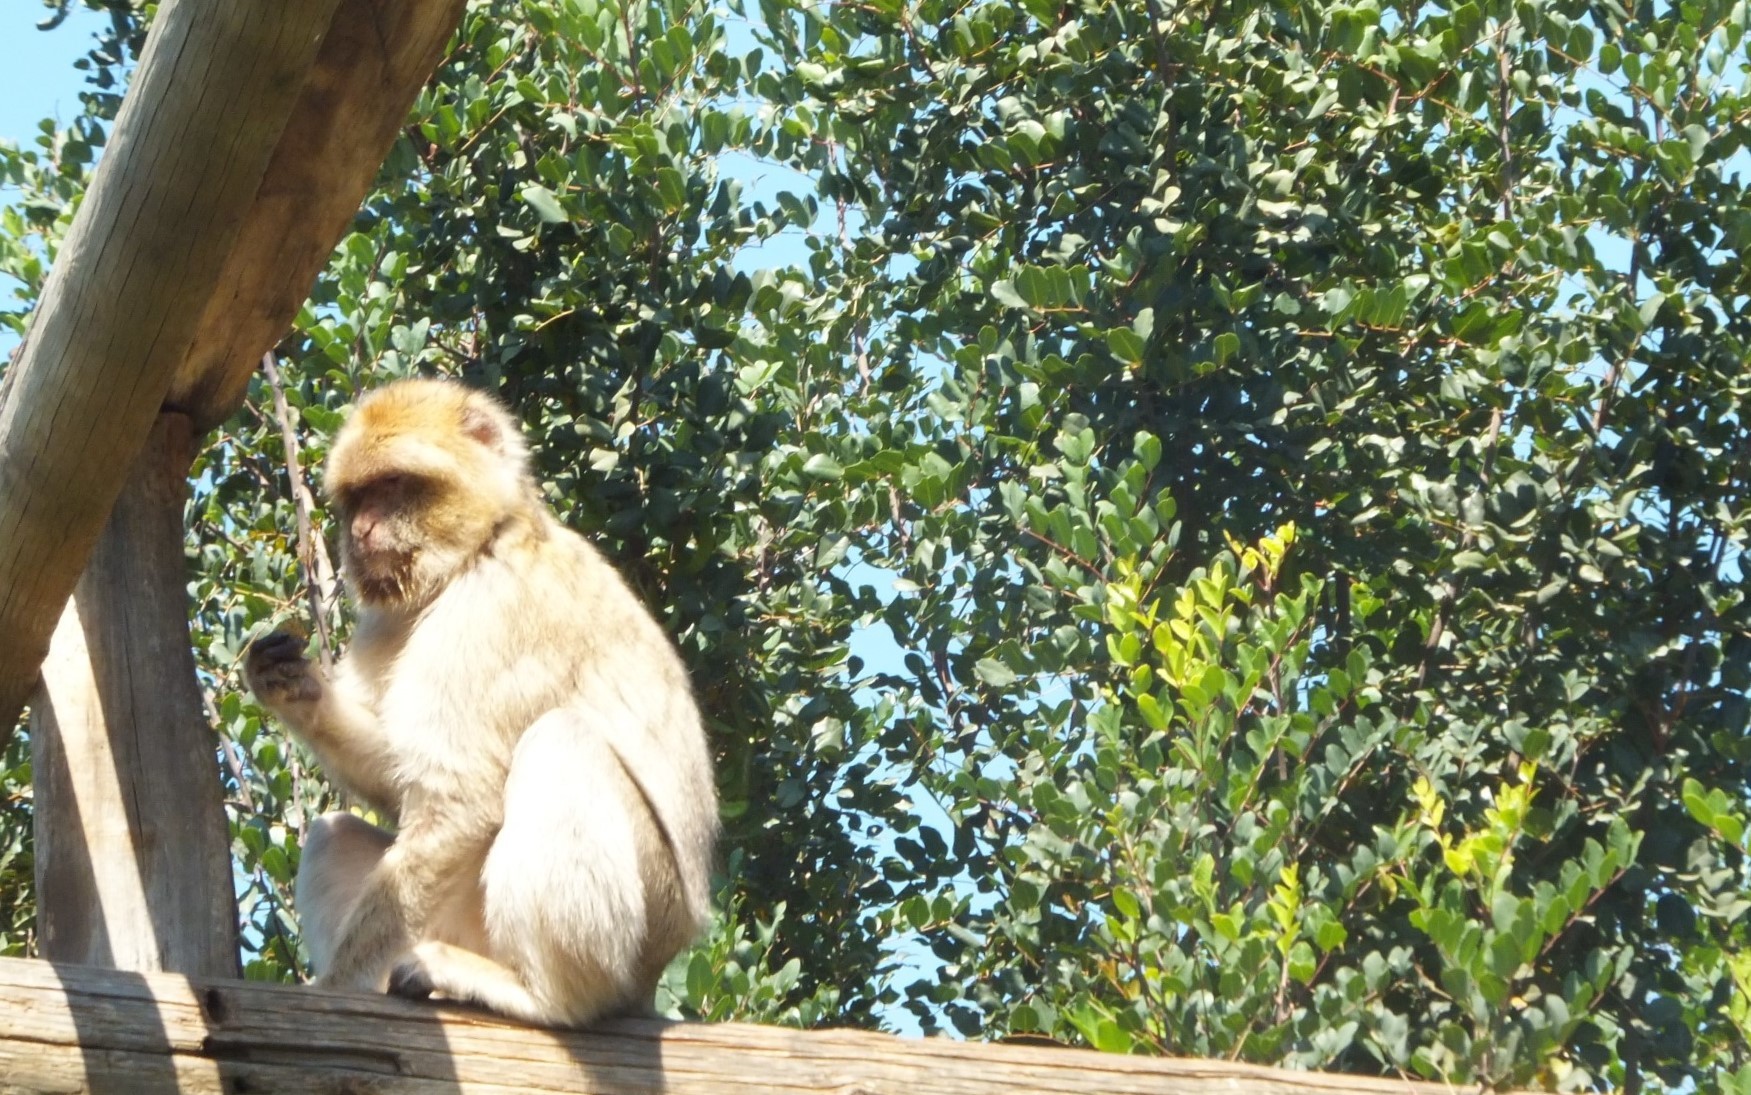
(312,552)
(1505,87)
(859,322)
(1163,62)
(917,43)
(232,754)
(632,50)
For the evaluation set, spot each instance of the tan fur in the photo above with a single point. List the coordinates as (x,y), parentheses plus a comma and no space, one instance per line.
(520,712)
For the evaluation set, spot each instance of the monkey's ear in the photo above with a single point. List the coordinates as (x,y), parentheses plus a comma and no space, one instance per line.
(480,424)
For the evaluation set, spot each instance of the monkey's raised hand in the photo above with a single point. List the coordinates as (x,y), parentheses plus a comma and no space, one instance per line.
(279,674)
(325,713)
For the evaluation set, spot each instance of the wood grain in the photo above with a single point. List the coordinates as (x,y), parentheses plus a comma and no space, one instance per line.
(133,856)
(67,1029)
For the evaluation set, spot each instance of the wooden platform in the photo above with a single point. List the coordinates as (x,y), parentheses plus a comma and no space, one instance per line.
(72,1029)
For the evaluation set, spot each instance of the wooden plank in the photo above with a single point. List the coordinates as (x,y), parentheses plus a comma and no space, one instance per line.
(133,856)
(203,115)
(68,1029)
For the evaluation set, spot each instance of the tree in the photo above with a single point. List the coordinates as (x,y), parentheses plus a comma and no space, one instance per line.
(1303,443)
(1456,293)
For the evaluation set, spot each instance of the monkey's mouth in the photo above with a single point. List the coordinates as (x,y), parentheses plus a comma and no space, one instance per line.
(379,590)
(383,577)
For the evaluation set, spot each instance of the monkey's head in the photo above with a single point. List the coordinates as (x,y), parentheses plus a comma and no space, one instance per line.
(422,475)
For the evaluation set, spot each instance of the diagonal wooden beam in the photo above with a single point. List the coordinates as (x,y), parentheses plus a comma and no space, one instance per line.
(374,60)
(208,102)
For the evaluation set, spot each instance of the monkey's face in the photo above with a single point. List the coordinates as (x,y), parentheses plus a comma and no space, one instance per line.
(382,536)
(405,535)
(421,476)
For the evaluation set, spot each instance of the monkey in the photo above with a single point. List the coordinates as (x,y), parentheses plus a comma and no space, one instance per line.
(512,704)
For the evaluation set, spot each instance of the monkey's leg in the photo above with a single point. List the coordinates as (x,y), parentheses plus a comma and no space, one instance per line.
(442,838)
(564,887)
(458,974)
(340,850)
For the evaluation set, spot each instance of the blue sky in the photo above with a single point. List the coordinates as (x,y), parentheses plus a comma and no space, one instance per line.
(37,77)
(37,81)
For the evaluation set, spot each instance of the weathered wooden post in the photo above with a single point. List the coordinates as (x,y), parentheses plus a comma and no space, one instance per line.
(133,865)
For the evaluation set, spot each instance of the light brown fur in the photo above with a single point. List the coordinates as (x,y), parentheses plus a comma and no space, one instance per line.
(511,702)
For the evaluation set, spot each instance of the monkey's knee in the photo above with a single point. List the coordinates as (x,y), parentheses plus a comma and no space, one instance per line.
(340,850)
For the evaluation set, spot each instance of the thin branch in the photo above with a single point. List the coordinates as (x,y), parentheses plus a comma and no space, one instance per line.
(917,43)
(1505,88)
(859,322)
(1164,63)
(1614,374)
(232,754)
(632,51)
(313,560)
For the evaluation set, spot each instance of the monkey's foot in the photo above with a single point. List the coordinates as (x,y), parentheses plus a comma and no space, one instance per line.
(338,984)
(440,971)
(411,979)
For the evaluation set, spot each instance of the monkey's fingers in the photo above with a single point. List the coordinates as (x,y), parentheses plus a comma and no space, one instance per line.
(277,671)
(274,658)
(277,646)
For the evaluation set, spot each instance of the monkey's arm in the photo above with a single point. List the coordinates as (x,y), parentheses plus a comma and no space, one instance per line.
(442,839)
(344,732)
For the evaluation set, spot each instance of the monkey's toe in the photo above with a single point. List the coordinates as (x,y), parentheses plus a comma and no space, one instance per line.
(411,979)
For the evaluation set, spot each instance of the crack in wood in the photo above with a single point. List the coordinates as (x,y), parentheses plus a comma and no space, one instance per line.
(250,1049)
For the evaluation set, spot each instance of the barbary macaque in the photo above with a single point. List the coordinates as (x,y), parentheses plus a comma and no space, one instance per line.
(512,704)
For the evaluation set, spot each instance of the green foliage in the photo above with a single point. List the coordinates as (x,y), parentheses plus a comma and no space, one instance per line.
(1206,529)
(1459,293)
(17,868)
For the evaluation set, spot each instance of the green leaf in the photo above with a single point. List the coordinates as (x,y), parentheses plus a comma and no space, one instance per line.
(1148,450)
(995,673)
(1331,935)
(822,466)
(1303,963)
(545,204)
(1125,345)
(1126,903)
(699,977)
(1004,292)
